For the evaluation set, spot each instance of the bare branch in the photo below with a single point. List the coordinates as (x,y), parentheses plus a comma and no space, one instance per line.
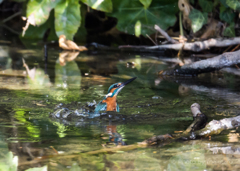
(195,46)
(207,65)
(216,127)
(165,34)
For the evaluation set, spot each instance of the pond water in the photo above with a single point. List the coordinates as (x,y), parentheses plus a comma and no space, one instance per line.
(150,105)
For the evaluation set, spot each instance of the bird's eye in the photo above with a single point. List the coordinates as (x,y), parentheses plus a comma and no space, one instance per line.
(115,86)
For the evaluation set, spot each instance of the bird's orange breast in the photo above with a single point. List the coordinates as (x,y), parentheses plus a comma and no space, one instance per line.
(111,103)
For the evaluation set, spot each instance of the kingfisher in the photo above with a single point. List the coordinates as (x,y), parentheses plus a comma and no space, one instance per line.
(109,102)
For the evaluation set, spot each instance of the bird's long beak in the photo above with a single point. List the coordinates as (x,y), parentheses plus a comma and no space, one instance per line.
(124,84)
(127,82)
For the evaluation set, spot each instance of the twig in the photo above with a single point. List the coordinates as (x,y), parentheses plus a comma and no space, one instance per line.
(226,50)
(175,38)
(156,27)
(101,151)
(12,16)
(151,39)
(180,23)
(235,48)
(156,35)
(54,149)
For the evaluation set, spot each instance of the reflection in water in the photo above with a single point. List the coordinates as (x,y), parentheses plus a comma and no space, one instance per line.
(67,56)
(150,106)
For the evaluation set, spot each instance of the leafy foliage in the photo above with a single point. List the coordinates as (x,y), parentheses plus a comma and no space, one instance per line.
(206,5)
(102,5)
(67,15)
(129,12)
(226,14)
(38,32)
(234,4)
(229,31)
(138,28)
(146,3)
(40,9)
(8,162)
(67,18)
(198,19)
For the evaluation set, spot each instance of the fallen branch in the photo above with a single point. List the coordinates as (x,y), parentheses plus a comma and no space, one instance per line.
(195,46)
(199,122)
(216,127)
(208,65)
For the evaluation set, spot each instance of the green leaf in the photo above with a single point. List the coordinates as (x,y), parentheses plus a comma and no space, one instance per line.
(67,18)
(206,5)
(146,3)
(37,32)
(81,34)
(234,4)
(198,19)
(101,5)
(230,30)
(223,2)
(138,28)
(226,14)
(40,9)
(8,162)
(129,12)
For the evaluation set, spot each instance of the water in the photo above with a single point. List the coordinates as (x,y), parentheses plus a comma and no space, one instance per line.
(149,106)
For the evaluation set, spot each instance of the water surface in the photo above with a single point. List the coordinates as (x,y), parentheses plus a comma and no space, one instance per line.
(150,106)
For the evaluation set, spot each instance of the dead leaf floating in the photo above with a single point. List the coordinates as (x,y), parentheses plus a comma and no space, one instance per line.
(69,45)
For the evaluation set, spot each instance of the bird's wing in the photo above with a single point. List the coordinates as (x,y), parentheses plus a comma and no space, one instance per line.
(101,106)
(117,108)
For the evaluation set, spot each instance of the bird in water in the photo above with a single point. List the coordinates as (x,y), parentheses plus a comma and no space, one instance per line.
(109,102)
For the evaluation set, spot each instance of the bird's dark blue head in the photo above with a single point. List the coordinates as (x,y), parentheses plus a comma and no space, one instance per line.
(114,89)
